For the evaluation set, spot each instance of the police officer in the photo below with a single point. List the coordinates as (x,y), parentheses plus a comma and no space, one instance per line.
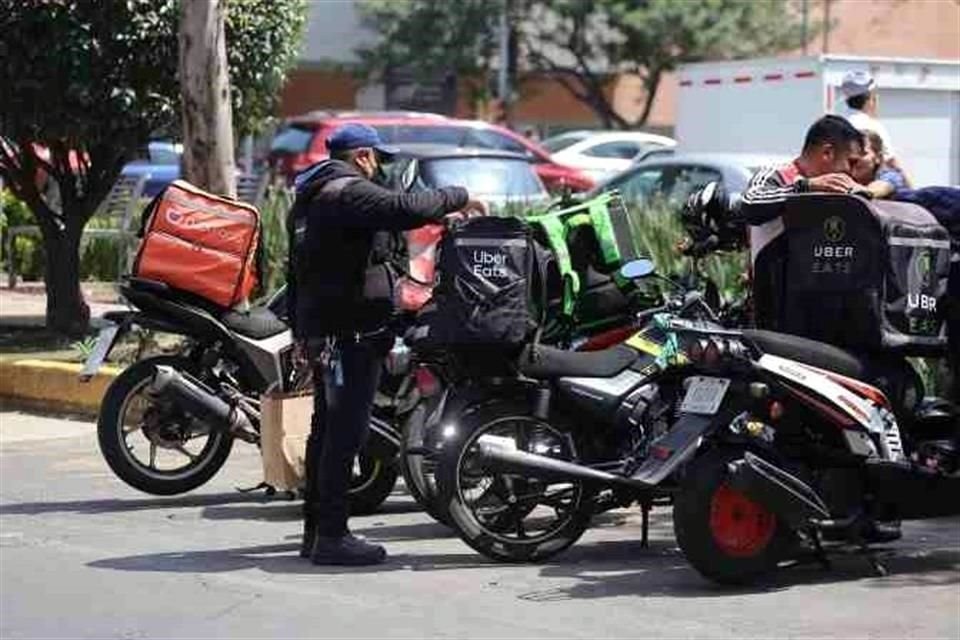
(344,231)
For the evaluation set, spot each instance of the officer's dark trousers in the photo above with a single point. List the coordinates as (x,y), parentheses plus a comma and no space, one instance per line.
(341,421)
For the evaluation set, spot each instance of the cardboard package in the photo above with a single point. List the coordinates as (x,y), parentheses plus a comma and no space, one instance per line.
(284,428)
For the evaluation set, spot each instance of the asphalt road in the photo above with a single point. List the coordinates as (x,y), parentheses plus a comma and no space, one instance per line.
(81,555)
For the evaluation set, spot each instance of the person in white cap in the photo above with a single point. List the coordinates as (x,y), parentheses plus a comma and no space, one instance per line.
(860,89)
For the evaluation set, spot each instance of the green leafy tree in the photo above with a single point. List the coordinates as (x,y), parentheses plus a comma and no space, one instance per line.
(581,43)
(86,84)
(430,38)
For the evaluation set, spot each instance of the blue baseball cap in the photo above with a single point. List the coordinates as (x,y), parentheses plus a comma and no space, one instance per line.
(354,135)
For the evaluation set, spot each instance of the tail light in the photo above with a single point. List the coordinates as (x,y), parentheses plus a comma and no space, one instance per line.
(710,351)
(428,384)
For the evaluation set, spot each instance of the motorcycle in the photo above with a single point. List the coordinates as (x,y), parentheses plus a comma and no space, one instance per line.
(167,423)
(526,462)
(786,441)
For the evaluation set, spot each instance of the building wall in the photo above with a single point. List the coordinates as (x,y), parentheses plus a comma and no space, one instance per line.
(902,28)
(308,89)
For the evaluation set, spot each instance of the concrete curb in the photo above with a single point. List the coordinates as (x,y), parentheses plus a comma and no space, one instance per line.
(54,386)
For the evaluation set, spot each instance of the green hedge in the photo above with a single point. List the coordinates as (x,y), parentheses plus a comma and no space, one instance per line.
(99,259)
(659,231)
(273,216)
(27,249)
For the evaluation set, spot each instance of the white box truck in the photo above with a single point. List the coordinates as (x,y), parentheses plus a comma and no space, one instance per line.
(764,106)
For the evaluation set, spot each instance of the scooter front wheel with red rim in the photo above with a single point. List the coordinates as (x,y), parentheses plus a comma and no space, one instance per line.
(727,537)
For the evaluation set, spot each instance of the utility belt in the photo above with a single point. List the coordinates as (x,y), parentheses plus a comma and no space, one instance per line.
(327,351)
(347,337)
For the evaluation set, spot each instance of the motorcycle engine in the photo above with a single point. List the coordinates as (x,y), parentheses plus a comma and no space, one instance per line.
(641,418)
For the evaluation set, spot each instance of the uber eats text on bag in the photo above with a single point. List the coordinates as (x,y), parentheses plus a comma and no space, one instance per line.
(490,286)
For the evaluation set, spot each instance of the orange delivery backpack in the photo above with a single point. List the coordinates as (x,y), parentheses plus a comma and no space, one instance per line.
(201,243)
(415,287)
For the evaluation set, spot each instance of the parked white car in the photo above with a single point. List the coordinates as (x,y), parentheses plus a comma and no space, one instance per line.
(602,155)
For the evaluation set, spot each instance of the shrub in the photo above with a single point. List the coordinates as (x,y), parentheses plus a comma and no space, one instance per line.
(27,250)
(273,216)
(658,231)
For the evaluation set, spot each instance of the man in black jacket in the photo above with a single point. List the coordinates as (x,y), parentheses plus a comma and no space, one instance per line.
(345,237)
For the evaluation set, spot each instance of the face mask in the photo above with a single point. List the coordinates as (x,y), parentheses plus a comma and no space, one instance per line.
(380,176)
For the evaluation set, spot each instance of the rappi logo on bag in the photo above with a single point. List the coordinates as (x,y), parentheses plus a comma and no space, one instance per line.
(184,219)
(174,217)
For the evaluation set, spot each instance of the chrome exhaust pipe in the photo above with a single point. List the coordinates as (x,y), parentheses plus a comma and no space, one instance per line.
(188,392)
(503,454)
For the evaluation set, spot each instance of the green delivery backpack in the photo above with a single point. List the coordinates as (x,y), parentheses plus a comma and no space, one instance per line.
(590,241)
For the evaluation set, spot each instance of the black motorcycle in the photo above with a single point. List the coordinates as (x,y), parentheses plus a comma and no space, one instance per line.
(168,423)
(527,460)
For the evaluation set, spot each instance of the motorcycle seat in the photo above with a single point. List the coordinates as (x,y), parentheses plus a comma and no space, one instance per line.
(811,352)
(545,363)
(258,323)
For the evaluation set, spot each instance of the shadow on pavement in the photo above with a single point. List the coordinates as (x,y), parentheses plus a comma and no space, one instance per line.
(93,507)
(281,559)
(604,569)
(278,510)
(613,572)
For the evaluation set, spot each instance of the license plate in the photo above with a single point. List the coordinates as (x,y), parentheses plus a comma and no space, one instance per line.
(704,395)
(100,351)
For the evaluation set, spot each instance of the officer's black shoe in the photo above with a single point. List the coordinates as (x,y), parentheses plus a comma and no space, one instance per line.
(346,550)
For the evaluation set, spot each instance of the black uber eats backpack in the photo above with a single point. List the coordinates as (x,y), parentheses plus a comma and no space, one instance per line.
(491,289)
(864,275)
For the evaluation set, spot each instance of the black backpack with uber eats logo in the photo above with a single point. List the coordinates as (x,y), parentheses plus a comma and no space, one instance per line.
(491,289)
(864,275)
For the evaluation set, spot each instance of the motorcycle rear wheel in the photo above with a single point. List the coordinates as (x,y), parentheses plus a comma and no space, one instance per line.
(119,419)
(507,517)
(372,483)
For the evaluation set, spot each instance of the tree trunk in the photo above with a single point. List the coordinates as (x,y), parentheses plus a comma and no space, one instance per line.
(67,311)
(205,91)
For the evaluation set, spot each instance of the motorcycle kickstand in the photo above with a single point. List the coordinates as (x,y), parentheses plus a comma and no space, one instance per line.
(871,556)
(645,507)
(819,554)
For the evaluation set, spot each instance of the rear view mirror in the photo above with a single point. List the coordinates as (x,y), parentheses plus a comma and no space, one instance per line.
(409,176)
(636,269)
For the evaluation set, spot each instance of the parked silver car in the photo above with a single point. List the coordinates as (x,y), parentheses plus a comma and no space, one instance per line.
(496,177)
(675,176)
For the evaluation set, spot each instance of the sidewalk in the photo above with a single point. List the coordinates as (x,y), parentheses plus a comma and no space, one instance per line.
(40,379)
(26,305)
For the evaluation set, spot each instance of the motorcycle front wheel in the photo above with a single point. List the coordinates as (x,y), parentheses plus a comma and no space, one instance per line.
(154,446)
(418,461)
(727,537)
(511,517)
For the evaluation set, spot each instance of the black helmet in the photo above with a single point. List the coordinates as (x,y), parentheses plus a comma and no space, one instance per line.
(711,219)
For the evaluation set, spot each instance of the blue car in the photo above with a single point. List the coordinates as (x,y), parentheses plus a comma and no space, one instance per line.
(162,165)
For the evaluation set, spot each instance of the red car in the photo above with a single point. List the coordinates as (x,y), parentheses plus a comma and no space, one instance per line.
(302,141)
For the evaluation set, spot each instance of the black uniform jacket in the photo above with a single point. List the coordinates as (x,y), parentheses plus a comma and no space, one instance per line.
(344,230)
